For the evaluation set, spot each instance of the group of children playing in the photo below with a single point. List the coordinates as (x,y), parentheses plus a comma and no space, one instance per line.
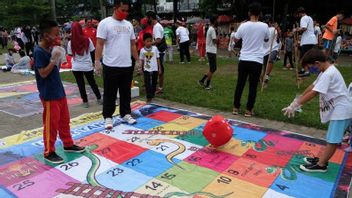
(25,62)
(335,101)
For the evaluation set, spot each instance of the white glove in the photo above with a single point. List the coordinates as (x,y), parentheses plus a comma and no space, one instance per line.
(58,55)
(98,67)
(290,110)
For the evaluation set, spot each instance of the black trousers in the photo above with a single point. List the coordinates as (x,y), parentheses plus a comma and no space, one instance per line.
(289,56)
(79,76)
(150,81)
(252,71)
(117,79)
(184,50)
(29,48)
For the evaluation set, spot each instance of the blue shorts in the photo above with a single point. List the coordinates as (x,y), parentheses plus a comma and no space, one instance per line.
(327,44)
(336,130)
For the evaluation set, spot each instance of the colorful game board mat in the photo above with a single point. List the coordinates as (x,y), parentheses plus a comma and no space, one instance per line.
(22,99)
(166,155)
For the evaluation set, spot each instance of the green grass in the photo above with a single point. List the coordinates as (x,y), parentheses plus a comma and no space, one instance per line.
(181,86)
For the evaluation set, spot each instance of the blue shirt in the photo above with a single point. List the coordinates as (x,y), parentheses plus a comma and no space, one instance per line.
(50,88)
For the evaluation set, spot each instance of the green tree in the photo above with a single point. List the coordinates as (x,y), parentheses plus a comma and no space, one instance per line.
(208,6)
(22,12)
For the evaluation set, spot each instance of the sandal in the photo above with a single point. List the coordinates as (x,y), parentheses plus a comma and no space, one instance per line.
(235,111)
(248,114)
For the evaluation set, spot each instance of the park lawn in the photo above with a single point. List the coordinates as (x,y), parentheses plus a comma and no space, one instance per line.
(181,86)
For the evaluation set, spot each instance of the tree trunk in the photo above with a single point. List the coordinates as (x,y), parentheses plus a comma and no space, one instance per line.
(155,6)
(102,9)
(175,10)
(53,9)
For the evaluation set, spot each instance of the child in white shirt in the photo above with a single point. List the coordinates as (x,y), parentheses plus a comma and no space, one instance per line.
(335,106)
(149,57)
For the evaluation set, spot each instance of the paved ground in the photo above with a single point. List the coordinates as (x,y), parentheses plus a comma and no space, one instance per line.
(10,125)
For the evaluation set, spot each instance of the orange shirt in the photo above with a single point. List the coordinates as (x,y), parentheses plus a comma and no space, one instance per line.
(91,33)
(332,24)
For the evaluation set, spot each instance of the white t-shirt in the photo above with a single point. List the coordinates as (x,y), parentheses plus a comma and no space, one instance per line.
(183,34)
(308,36)
(117,35)
(158,31)
(253,35)
(276,45)
(210,46)
(150,58)
(334,101)
(317,31)
(338,44)
(81,63)
(232,42)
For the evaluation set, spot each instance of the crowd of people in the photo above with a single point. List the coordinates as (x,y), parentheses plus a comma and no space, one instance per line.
(118,47)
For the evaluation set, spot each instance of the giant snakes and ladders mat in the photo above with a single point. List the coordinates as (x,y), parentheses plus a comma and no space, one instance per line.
(166,155)
(22,99)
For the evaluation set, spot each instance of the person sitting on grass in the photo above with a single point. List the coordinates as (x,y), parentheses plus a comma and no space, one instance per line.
(9,60)
(149,57)
(23,63)
(335,107)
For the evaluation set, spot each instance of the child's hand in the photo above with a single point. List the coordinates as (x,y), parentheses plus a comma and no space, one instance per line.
(290,110)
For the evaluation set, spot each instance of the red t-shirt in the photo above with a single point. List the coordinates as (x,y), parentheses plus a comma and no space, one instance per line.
(91,33)
(201,34)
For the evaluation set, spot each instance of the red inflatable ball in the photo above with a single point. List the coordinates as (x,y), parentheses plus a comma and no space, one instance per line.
(218,131)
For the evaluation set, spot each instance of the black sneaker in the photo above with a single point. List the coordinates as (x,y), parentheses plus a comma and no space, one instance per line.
(74,149)
(54,158)
(305,74)
(200,83)
(301,72)
(311,160)
(313,168)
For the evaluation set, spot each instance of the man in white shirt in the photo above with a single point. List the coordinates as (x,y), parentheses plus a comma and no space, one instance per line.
(317,31)
(160,43)
(308,39)
(116,36)
(274,43)
(253,34)
(182,39)
(337,47)
(211,49)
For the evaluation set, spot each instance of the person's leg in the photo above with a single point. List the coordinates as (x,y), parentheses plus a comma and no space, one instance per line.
(213,67)
(254,75)
(64,124)
(148,84)
(161,75)
(154,83)
(182,52)
(290,59)
(91,81)
(110,76)
(188,55)
(125,91)
(171,53)
(51,117)
(327,154)
(81,85)
(285,58)
(241,82)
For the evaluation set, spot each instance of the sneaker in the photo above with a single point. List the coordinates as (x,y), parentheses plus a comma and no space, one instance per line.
(128,118)
(200,83)
(285,68)
(313,168)
(208,87)
(311,160)
(182,62)
(235,111)
(108,123)
(305,74)
(85,105)
(100,101)
(248,114)
(301,72)
(159,91)
(74,149)
(54,158)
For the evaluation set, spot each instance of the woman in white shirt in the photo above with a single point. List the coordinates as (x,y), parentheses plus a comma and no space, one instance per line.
(23,63)
(79,48)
